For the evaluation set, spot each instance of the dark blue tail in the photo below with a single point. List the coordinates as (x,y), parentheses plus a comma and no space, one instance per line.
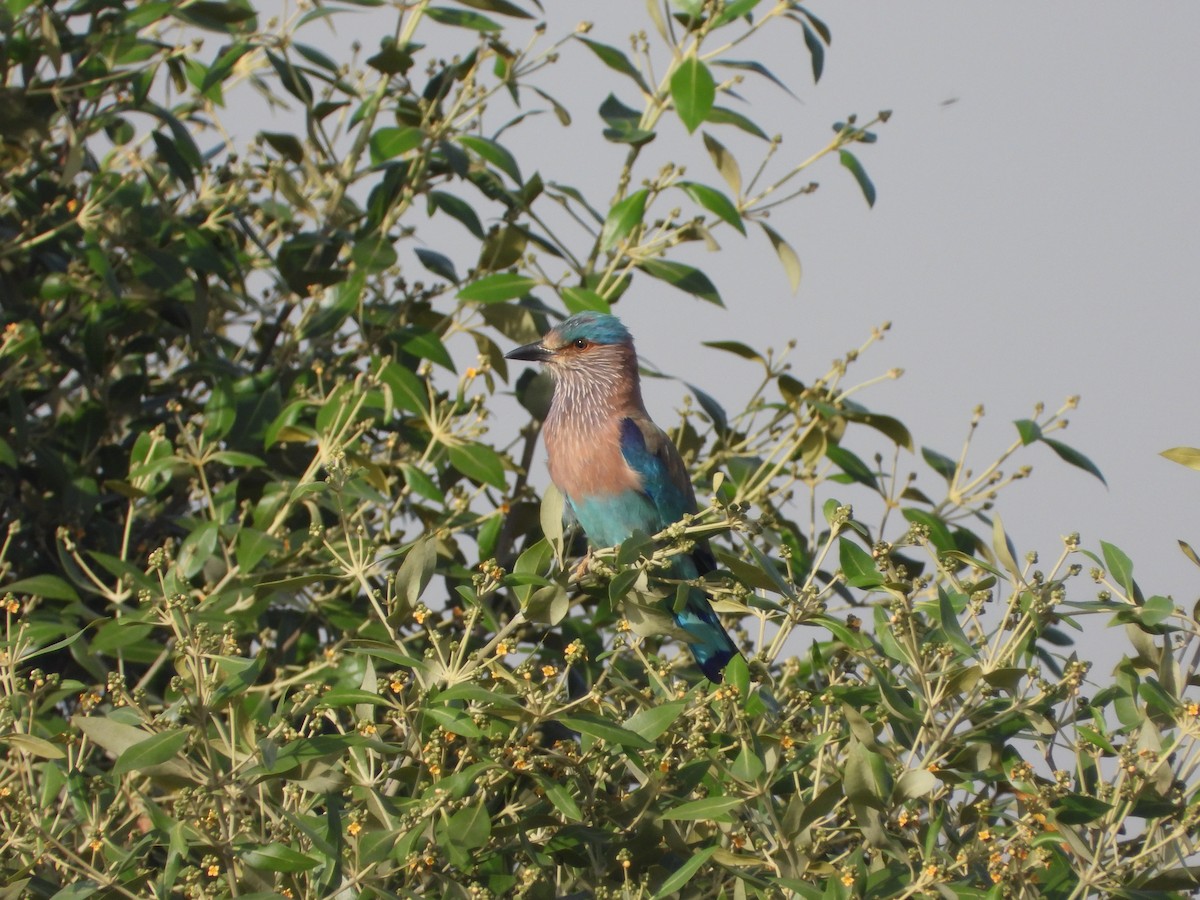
(707,639)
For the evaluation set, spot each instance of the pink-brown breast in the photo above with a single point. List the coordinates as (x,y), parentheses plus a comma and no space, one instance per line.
(585,457)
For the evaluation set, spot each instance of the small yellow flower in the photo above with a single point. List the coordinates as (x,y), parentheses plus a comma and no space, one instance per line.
(549,671)
(848,879)
(396,685)
(502,649)
(213,871)
(354,828)
(96,844)
(787,742)
(1193,709)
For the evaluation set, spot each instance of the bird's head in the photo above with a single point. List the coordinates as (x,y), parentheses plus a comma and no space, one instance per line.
(583,342)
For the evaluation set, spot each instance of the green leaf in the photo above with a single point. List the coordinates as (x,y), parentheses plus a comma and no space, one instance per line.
(216,16)
(416,569)
(624,124)
(427,345)
(1073,457)
(502,248)
(276,857)
(737,348)
(1187,551)
(286,145)
(492,152)
(725,162)
(1003,548)
(560,795)
(868,779)
(622,219)
(943,465)
(715,202)
(720,115)
(454,720)
(437,264)
(548,605)
(241,673)
(480,462)
(236,459)
(675,882)
(716,809)
(1119,566)
(787,256)
(758,68)
(948,618)
(1156,610)
(916,783)
(816,50)
(693,91)
(461,18)
(652,721)
(390,142)
(711,407)
(686,278)
(577,300)
(405,389)
(153,751)
(1185,456)
(457,208)
(857,565)
(51,587)
(894,429)
(617,61)
(501,7)
(1079,809)
(850,161)
(748,766)
(33,745)
(497,288)
(604,730)
(197,549)
(853,467)
(734,10)
(550,517)
(1029,431)
(620,584)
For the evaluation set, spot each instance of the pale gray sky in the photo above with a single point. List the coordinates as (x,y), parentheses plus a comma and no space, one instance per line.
(1031,240)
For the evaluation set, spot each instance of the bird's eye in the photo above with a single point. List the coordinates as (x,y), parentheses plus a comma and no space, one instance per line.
(581,343)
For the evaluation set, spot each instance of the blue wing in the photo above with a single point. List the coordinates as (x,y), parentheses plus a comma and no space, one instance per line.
(650,453)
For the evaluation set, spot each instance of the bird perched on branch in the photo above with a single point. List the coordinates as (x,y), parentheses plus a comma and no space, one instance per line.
(619,472)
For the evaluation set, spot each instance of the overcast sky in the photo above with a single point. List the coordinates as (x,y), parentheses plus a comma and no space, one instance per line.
(1037,222)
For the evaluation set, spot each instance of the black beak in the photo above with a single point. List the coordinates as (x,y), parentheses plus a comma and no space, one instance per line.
(534,352)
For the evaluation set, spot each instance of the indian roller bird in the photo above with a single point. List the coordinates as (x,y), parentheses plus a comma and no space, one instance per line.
(618,471)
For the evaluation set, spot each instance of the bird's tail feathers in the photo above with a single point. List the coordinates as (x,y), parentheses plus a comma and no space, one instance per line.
(707,639)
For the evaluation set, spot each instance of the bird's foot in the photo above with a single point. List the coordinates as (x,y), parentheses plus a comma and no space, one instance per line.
(581,567)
